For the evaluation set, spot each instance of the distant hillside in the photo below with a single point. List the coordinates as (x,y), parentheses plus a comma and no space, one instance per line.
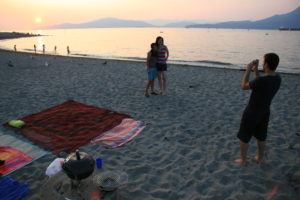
(179,24)
(12,35)
(289,20)
(184,23)
(104,23)
(161,22)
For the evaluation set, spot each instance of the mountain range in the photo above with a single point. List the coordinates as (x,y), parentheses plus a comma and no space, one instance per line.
(105,23)
(289,20)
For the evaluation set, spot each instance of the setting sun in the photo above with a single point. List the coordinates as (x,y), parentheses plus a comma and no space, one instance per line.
(38,20)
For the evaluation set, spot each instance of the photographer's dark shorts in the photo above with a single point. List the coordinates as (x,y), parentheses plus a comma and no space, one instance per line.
(254,124)
(161,66)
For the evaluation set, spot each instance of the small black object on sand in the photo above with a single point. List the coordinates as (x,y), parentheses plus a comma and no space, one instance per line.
(63,154)
(10,64)
(194,86)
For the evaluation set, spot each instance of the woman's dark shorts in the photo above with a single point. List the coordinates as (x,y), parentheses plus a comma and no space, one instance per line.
(254,123)
(161,66)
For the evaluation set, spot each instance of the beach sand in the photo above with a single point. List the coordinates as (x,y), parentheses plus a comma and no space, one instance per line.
(189,144)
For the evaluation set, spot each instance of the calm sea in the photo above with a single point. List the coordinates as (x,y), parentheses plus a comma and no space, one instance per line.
(224,48)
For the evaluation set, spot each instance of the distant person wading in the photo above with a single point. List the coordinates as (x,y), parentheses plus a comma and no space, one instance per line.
(68,50)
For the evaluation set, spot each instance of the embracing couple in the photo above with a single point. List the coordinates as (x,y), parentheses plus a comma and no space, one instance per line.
(157,66)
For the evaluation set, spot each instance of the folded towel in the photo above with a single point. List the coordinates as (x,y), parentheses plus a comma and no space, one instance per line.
(13,158)
(119,135)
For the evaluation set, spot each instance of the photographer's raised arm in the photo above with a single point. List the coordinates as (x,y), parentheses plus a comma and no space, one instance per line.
(255,68)
(245,80)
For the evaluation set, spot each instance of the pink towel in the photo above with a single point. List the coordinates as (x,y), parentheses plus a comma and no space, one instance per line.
(13,158)
(119,135)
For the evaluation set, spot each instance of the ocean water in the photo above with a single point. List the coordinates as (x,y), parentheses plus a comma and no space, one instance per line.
(224,48)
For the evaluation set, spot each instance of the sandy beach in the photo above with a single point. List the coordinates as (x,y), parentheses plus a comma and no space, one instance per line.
(189,144)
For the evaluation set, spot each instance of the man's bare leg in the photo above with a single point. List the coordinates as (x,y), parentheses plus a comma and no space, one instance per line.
(261,150)
(244,149)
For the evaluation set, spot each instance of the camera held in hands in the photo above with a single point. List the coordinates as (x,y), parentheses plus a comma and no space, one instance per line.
(253,64)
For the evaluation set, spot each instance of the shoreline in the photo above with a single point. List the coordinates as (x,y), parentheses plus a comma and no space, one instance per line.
(139,61)
(234,59)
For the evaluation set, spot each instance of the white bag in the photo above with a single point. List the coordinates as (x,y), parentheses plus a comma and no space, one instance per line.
(54,167)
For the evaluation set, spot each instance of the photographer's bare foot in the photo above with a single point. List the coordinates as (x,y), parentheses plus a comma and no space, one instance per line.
(257,159)
(240,161)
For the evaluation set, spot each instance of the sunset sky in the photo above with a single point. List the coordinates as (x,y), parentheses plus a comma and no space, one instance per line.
(31,14)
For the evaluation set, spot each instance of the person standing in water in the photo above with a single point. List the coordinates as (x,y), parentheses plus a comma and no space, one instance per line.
(68,50)
(163,55)
(256,115)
